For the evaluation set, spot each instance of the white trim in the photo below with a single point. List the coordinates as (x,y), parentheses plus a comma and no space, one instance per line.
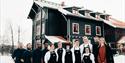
(89,30)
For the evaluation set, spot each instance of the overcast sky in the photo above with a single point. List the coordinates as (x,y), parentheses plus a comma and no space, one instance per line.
(15,12)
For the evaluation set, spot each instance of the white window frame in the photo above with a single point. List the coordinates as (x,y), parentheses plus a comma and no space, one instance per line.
(89,31)
(73,28)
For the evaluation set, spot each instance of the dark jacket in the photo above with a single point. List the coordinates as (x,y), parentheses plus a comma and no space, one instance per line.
(37,56)
(95,51)
(18,55)
(27,55)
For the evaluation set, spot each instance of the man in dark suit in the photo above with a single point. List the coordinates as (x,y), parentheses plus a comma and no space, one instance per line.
(37,54)
(18,54)
(27,55)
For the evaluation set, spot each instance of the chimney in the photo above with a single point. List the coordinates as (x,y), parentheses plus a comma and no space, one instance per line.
(63,4)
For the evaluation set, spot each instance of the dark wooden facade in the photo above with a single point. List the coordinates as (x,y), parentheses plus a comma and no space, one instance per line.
(52,22)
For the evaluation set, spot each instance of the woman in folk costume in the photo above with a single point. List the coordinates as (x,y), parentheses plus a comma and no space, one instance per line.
(68,54)
(60,53)
(51,56)
(76,54)
(87,57)
(105,54)
(86,43)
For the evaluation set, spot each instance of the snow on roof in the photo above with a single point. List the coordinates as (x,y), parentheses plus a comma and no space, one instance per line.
(60,9)
(117,23)
(85,10)
(64,11)
(48,4)
(109,23)
(112,22)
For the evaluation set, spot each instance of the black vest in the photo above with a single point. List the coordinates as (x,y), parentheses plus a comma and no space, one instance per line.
(87,59)
(77,56)
(52,57)
(60,52)
(68,57)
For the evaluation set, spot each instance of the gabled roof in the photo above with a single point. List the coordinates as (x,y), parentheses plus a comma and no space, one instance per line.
(60,9)
(112,22)
(33,11)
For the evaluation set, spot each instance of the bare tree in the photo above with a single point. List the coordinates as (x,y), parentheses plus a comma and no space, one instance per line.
(12,38)
(18,34)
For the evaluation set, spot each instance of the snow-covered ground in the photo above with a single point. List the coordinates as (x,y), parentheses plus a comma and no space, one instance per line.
(8,59)
(119,59)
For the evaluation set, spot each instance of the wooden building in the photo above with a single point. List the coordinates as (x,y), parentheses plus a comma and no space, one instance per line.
(55,23)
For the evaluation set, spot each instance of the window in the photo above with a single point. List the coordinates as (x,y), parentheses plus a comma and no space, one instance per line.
(107,17)
(87,14)
(38,30)
(74,11)
(97,16)
(87,30)
(75,28)
(98,30)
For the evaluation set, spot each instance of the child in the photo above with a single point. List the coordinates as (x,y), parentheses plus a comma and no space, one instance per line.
(87,57)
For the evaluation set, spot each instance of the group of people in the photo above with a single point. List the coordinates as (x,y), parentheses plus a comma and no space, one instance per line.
(99,52)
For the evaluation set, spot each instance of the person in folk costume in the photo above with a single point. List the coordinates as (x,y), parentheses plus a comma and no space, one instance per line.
(68,54)
(44,50)
(60,53)
(95,48)
(51,56)
(37,53)
(27,55)
(86,43)
(88,57)
(76,54)
(105,54)
(18,54)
